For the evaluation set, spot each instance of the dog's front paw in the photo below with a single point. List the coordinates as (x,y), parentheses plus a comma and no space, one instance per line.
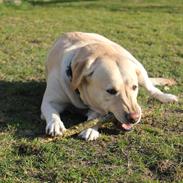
(55,128)
(89,134)
(168,98)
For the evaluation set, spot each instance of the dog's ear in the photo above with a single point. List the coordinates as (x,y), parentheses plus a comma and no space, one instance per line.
(81,70)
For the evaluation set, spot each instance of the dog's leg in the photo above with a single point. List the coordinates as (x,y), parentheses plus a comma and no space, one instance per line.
(52,106)
(50,111)
(90,133)
(145,81)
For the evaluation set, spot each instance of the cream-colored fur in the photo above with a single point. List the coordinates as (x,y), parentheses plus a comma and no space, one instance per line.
(98,65)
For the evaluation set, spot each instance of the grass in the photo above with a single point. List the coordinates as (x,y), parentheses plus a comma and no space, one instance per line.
(152,30)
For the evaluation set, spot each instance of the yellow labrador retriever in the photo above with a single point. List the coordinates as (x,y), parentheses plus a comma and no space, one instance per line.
(106,76)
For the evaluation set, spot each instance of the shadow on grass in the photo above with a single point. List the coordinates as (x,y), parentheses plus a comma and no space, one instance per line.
(52,2)
(131,7)
(20,109)
(148,8)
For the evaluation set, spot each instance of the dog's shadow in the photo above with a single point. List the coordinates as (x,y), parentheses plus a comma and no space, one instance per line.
(20,110)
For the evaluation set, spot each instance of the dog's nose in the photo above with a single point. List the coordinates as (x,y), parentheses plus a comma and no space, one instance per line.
(133,117)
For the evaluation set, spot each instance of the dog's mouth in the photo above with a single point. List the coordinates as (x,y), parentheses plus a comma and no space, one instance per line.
(124,126)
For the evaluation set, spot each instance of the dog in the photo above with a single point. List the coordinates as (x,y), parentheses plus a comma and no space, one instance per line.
(87,70)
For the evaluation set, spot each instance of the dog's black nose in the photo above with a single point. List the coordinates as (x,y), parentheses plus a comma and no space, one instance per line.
(132,117)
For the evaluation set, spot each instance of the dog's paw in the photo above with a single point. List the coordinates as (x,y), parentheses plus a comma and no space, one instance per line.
(55,128)
(168,98)
(89,134)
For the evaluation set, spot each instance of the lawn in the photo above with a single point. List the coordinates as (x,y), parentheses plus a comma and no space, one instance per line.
(153,152)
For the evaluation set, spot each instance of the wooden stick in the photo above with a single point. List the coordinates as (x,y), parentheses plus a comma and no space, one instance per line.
(88,124)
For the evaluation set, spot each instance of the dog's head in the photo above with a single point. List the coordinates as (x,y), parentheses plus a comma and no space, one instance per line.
(107,83)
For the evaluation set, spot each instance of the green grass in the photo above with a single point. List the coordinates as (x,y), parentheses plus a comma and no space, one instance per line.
(152,30)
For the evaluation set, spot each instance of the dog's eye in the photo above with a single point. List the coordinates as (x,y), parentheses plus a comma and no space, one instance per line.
(134,87)
(112,91)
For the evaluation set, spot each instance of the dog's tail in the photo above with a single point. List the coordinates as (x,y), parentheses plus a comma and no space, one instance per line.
(163,81)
